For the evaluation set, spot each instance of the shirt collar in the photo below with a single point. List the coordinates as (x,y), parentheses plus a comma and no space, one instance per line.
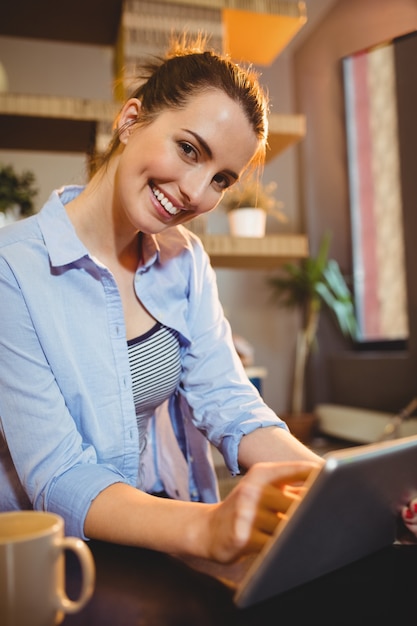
(59,234)
(64,246)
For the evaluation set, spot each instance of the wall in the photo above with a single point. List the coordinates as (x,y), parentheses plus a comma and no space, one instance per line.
(384,381)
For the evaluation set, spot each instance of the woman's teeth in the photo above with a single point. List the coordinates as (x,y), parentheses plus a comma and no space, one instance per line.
(168,206)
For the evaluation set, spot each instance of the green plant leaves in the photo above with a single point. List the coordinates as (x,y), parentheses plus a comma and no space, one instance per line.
(17,189)
(316,281)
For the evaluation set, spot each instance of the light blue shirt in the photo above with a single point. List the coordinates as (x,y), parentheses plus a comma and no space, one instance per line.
(67,416)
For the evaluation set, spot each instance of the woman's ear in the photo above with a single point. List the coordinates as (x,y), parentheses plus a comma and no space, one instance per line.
(127,117)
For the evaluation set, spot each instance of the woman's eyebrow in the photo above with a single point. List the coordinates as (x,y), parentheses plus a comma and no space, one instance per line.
(208,150)
(201,141)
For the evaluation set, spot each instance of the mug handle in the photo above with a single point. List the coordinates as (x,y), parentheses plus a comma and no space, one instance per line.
(83,552)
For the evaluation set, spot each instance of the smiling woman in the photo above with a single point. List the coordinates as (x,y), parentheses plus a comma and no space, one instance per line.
(129,306)
(187,164)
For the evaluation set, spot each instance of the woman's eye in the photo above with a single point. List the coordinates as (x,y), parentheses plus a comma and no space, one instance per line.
(187,149)
(222,181)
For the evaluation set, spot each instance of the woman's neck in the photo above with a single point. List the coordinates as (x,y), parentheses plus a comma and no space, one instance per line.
(95,219)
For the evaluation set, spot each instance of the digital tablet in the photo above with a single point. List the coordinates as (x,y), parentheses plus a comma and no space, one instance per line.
(350,509)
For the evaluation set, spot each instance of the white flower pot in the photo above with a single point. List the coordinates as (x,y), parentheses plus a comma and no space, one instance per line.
(247,222)
(9,215)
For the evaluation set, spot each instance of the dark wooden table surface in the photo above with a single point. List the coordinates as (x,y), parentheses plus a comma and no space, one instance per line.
(137,587)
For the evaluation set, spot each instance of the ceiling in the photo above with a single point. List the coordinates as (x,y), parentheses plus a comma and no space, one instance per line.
(79,21)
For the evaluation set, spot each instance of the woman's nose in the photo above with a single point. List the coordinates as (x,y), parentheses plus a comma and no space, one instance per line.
(195,187)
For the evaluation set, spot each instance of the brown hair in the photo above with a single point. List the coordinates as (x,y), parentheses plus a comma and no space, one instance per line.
(169,82)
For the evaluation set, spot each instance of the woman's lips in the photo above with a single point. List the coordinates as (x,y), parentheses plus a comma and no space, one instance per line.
(163,201)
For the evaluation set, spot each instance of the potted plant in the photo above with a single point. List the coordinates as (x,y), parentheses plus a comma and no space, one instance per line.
(309,285)
(17,193)
(247,204)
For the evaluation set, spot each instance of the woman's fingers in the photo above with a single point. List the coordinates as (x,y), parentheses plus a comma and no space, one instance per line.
(273,487)
(279,474)
(249,515)
(276,501)
(263,497)
(285,480)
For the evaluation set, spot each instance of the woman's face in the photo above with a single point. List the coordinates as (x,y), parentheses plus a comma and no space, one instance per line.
(179,165)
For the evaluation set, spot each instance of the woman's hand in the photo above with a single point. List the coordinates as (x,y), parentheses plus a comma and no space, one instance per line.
(409,515)
(247,518)
(223,532)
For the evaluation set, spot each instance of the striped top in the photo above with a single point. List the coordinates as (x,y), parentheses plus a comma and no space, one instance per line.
(155,366)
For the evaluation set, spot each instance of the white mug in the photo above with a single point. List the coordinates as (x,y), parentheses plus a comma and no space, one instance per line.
(32,569)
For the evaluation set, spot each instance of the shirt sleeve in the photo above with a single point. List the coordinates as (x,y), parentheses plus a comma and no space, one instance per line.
(55,466)
(224,404)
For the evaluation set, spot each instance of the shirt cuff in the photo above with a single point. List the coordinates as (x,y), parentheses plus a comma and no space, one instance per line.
(230,443)
(72,503)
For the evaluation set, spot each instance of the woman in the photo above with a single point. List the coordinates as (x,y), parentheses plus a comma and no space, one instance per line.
(117,364)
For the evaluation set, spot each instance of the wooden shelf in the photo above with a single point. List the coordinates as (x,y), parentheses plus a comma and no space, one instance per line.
(29,122)
(284,131)
(52,123)
(252,253)
(63,108)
